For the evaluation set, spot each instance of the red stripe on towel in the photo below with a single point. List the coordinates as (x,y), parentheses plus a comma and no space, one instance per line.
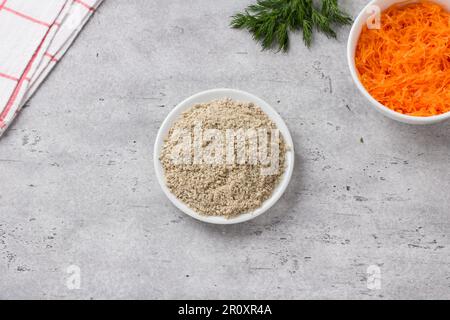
(51,57)
(85,5)
(6,76)
(27,17)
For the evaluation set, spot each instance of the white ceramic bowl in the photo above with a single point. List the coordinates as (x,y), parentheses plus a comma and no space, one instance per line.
(355,32)
(207,96)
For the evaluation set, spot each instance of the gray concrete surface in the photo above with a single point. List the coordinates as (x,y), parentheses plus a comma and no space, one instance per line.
(78,187)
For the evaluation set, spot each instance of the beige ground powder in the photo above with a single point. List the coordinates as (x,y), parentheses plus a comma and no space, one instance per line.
(221,189)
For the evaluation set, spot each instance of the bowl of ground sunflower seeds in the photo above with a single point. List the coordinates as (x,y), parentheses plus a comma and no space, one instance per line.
(224,156)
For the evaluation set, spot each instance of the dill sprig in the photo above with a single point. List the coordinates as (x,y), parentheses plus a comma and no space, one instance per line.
(270,21)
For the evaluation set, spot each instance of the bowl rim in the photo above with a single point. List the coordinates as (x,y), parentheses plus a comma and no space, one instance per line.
(352,43)
(206,96)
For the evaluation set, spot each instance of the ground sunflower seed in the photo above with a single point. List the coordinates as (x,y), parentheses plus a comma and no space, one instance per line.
(222,188)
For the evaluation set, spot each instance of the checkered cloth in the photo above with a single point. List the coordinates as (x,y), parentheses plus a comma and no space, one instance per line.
(34,35)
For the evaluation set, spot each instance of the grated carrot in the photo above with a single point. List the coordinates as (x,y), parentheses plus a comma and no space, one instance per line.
(405,65)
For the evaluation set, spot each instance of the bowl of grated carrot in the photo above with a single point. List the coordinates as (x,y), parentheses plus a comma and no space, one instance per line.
(399,58)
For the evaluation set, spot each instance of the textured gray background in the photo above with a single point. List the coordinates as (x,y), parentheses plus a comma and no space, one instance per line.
(78,187)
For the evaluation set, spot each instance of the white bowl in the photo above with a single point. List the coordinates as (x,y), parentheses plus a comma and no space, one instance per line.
(355,32)
(207,96)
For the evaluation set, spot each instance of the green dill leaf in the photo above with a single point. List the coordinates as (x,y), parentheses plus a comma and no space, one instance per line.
(330,8)
(307,32)
(322,23)
(239,20)
(283,37)
(270,21)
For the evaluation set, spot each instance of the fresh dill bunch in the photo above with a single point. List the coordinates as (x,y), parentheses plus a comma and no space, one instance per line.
(270,21)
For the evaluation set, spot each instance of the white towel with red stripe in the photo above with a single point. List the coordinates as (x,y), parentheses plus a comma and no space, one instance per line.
(34,35)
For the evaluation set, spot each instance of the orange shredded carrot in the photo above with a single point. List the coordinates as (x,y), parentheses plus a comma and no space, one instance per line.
(405,65)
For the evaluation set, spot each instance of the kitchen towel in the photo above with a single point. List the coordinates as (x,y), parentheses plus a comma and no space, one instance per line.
(34,35)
